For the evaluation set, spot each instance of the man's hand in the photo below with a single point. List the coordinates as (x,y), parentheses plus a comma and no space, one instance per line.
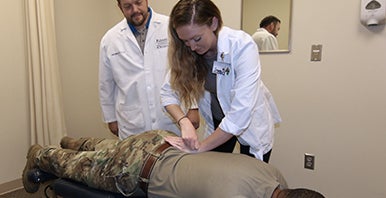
(113,126)
(179,143)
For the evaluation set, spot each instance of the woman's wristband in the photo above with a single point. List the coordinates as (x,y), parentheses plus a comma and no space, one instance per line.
(179,120)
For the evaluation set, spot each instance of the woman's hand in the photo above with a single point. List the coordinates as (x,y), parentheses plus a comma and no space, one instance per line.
(189,135)
(179,143)
(188,130)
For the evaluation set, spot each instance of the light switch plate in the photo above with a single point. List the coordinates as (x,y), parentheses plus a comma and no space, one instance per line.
(316,52)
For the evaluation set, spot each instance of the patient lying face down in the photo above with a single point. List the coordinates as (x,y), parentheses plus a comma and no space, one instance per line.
(147,161)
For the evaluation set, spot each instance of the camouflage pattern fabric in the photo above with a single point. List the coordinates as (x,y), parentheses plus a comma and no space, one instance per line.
(107,164)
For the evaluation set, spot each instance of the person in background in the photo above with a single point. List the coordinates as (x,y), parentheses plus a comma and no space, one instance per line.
(219,69)
(120,166)
(133,64)
(265,36)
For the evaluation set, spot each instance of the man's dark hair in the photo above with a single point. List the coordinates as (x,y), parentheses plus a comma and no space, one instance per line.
(301,193)
(268,20)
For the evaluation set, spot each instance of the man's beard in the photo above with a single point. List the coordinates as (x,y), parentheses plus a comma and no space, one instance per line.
(136,22)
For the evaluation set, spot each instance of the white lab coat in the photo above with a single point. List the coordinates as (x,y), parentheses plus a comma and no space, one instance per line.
(250,112)
(265,40)
(130,81)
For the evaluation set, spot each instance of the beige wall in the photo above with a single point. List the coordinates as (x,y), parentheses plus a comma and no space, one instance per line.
(230,11)
(79,30)
(13,94)
(334,109)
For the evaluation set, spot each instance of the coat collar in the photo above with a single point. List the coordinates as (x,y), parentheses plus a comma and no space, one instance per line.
(223,46)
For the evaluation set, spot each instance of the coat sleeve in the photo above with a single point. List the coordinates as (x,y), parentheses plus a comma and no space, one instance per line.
(168,95)
(241,100)
(107,87)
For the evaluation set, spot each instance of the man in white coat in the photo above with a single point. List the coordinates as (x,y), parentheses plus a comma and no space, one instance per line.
(133,64)
(265,36)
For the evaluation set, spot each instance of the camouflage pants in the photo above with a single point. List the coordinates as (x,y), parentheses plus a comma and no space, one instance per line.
(106,164)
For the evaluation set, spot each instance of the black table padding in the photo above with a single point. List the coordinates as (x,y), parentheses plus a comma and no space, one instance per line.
(71,189)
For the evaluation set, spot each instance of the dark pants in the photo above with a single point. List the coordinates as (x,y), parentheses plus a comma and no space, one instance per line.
(245,150)
(229,146)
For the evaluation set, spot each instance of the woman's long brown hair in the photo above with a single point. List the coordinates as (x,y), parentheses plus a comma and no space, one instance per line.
(188,69)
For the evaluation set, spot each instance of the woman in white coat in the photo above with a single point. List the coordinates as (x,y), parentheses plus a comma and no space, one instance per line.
(220,69)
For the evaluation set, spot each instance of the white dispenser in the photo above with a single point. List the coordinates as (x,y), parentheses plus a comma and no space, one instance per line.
(373,12)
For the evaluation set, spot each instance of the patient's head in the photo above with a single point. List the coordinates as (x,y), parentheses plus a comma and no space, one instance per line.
(299,193)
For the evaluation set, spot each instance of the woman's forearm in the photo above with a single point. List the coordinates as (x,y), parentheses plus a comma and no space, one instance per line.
(214,140)
(175,111)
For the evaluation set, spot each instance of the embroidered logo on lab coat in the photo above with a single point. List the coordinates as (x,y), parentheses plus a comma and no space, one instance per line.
(161,43)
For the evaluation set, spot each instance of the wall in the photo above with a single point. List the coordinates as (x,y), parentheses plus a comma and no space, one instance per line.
(230,11)
(334,109)
(13,94)
(79,30)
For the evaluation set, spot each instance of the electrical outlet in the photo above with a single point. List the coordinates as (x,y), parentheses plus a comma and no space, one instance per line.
(309,161)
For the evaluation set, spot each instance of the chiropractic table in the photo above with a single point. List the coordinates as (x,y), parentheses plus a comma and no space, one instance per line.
(70,189)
